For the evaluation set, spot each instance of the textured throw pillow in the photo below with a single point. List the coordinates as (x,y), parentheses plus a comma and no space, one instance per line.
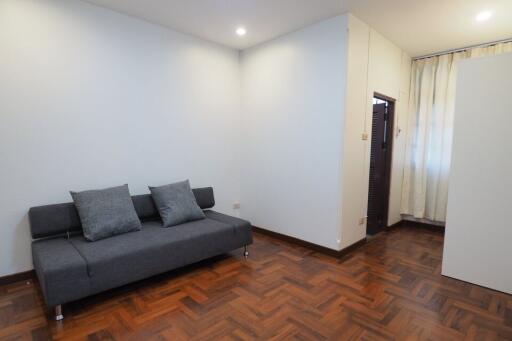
(106,212)
(176,203)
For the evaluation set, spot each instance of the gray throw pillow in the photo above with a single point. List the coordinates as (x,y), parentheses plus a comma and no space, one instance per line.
(176,203)
(106,212)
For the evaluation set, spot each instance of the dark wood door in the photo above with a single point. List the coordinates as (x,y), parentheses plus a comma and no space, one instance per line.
(380,159)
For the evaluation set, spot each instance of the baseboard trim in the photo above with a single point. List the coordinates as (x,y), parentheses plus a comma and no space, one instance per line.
(418,224)
(395,225)
(478,285)
(17,277)
(309,245)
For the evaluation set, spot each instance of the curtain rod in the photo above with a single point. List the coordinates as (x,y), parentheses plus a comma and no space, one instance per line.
(463,49)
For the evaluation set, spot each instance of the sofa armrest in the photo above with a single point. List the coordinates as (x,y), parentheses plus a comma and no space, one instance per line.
(61,271)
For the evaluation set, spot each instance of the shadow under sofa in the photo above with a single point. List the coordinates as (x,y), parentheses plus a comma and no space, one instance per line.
(69,267)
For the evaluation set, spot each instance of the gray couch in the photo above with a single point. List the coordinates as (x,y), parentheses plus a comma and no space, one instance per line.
(69,267)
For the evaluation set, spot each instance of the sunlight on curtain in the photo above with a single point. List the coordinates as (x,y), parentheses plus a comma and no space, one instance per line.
(429,137)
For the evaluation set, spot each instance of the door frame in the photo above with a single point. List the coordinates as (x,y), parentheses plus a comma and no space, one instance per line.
(389,154)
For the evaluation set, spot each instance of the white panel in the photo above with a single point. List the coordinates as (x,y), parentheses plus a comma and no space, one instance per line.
(385,66)
(478,234)
(375,65)
(355,196)
(399,139)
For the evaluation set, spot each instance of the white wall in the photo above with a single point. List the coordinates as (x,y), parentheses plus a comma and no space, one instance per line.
(478,234)
(354,148)
(374,65)
(90,98)
(293,91)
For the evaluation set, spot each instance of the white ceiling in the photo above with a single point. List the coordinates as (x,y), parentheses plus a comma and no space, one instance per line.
(417,26)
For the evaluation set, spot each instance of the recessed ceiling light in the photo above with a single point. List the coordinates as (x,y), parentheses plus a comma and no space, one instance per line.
(241,31)
(483,16)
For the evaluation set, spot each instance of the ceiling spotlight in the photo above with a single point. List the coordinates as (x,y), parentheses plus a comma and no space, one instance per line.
(484,16)
(241,31)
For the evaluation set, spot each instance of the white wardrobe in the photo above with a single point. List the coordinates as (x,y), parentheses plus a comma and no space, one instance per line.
(478,241)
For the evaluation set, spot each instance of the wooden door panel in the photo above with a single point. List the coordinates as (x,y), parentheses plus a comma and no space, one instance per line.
(379,168)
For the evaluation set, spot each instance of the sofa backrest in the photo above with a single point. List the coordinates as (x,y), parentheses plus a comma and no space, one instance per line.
(59,219)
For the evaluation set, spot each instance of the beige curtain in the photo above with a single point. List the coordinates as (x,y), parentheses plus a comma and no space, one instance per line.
(429,137)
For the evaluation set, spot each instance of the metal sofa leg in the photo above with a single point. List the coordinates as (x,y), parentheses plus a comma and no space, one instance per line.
(58,313)
(246,252)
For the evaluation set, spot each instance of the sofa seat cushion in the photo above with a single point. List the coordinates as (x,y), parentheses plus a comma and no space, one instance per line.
(61,270)
(240,225)
(152,250)
(243,228)
(230,220)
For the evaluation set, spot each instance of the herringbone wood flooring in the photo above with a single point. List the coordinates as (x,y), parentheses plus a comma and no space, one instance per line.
(389,289)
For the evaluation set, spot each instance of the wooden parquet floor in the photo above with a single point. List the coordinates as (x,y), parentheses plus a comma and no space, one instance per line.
(389,289)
